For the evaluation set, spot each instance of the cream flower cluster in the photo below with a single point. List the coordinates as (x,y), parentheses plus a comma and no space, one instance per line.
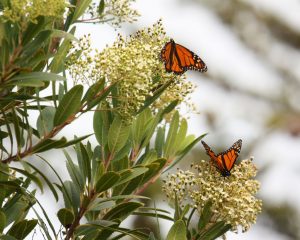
(233,198)
(134,64)
(115,12)
(120,11)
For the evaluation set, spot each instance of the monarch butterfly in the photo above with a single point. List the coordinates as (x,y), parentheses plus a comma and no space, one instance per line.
(179,59)
(224,161)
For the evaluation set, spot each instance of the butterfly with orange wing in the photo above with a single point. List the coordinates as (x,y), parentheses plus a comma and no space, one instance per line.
(224,161)
(178,59)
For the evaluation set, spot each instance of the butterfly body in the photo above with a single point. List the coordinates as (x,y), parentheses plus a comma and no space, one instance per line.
(224,161)
(178,59)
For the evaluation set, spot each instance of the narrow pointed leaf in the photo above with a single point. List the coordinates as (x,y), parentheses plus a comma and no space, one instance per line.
(34,79)
(122,210)
(2,221)
(22,228)
(215,231)
(101,125)
(50,185)
(101,7)
(177,231)
(80,9)
(58,62)
(107,180)
(31,176)
(117,135)
(171,137)
(45,121)
(205,215)
(131,174)
(48,144)
(69,105)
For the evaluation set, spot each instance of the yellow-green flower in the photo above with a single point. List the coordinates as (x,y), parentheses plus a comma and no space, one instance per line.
(29,10)
(233,198)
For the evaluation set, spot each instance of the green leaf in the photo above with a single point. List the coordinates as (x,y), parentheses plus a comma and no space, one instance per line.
(84,229)
(62,34)
(3,135)
(33,29)
(2,32)
(205,215)
(16,121)
(84,161)
(215,231)
(75,141)
(107,181)
(101,7)
(154,169)
(65,216)
(123,153)
(50,185)
(154,215)
(160,141)
(169,108)
(181,135)
(97,165)
(155,95)
(58,62)
(71,191)
(184,211)
(15,209)
(178,211)
(101,205)
(139,126)
(100,96)
(7,237)
(2,221)
(117,135)
(184,152)
(69,105)
(101,125)
(93,91)
(169,147)
(4,51)
(22,228)
(122,210)
(37,43)
(130,174)
(74,172)
(80,9)
(48,144)
(30,176)
(151,127)
(44,122)
(148,157)
(177,231)
(34,79)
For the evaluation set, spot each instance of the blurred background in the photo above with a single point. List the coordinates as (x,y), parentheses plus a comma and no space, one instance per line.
(251,91)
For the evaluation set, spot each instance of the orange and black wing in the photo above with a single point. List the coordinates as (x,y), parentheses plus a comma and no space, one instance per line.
(224,161)
(179,59)
(189,60)
(216,161)
(169,57)
(229,156)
